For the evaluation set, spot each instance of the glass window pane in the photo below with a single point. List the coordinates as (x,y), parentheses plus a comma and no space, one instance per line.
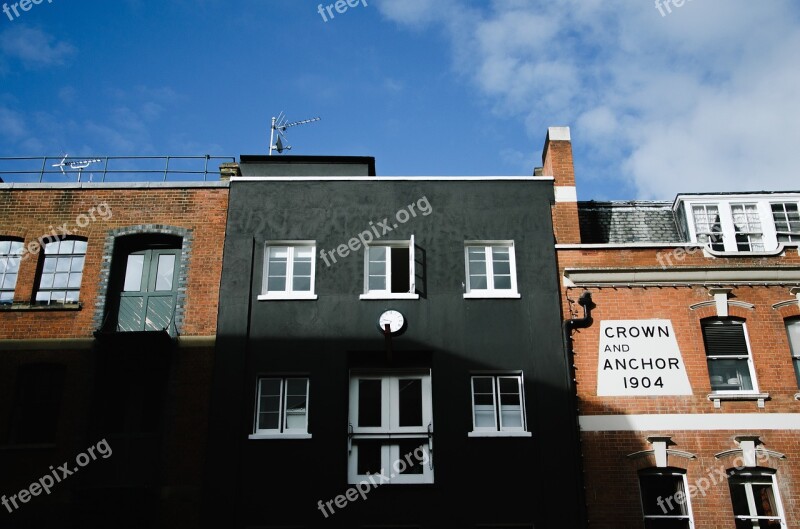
(165,272)
(80,247)
(75,280)
(269,404)
(58,297)
(377,282)
(47,281)
(9,281)
(63,264)
(302,268)
(296,403)
(77,264)
(49,265)
(369,402)
(739,499)
(277,268)
(276,284)
(502,268)
(510,402)
(5,247)
(483,401)
(730,375)
(765,500)
(133,273)
(412,455)
(43,297)
(484,416)
(301,284)
(655,487)
(477,282)
(304,253)
(12,264)
(377,253)
(60,280)
(502,282)
(6,297)
(72,296)
(279,252)
(410,402)
(369,457)
(793,331)
(268,420)
(66,247)
(51,248)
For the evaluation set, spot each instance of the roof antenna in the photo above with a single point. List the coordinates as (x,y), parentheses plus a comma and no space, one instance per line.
(279,125)
(76,165)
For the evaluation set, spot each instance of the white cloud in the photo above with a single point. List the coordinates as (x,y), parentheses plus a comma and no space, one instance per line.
(703,99)
(33,47)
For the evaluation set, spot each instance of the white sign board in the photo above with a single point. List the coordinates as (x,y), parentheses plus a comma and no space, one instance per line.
(640,358)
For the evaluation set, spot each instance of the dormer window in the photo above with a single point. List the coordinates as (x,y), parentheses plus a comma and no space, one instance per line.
(741,223)
(747,226)
(787,221)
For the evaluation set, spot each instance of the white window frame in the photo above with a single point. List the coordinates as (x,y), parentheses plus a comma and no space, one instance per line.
(14,254)
(390,428)
(794,347)
(288,294)
(498,429)
(45,256)
(490,291)
(763,205)
(687,502)
(751,232)
(282,432)
(763,478)
(794,236)
(387,292)
(693,223)
(750,364)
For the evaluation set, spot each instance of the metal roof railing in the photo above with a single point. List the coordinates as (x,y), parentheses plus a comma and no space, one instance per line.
(65,169)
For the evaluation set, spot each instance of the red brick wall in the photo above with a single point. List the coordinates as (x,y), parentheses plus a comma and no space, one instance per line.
(613,485)
(611,477)
(30,213)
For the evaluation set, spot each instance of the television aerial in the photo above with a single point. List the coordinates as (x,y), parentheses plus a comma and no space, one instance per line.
(279,126)
(75,165)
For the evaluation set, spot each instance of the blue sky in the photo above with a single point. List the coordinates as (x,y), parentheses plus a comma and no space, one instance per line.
(701,97)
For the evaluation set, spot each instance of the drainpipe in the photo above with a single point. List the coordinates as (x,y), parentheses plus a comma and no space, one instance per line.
(585,301)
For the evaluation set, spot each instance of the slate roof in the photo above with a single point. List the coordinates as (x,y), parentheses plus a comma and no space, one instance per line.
(627,222)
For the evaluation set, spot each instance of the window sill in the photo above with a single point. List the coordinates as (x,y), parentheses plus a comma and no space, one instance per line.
(257,436)
(499,434)
(382,295)
(287,297)
(492,295)
(30,307)
(719,396)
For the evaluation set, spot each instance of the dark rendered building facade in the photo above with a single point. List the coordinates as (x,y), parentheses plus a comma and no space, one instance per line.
(389,353)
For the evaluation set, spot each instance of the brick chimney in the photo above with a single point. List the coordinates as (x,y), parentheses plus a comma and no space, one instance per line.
(557,162)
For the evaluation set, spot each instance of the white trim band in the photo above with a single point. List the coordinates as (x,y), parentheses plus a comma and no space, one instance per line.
(566,193)
(689,421)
